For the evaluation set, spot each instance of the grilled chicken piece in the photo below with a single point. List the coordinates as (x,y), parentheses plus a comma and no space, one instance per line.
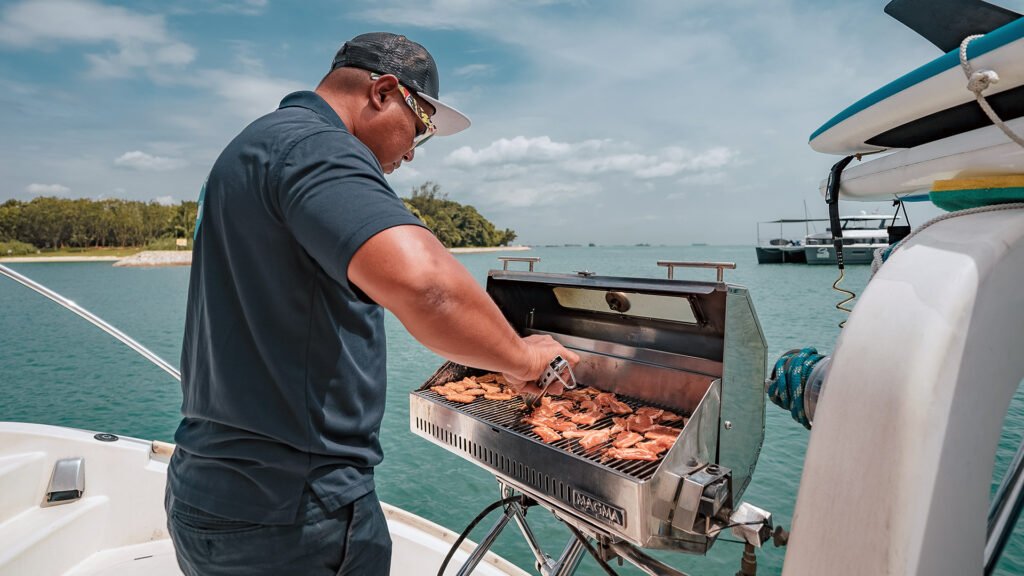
(618,425)
(461,398)
(586,418)
(562,425)
(655,432)
(469,383)
(594,438)
(626,440)
(497,396)
(456,386)
(556,406)
(486,378)
(630,454)
(654,413)
(543,411)
(546,434)
(575,395)
(669,417)
(475,391)
(490,388)
(653,447)
(442,390)
(639,423)
(609,403)
(665,442)
(588,406)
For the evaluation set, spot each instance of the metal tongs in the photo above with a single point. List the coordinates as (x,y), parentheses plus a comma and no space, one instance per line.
(553,372)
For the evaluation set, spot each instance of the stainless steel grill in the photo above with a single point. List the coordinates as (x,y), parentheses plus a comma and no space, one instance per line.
(509,415)
(693,348)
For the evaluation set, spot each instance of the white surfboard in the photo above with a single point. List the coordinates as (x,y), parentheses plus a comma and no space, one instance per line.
(931,102)
(981,152)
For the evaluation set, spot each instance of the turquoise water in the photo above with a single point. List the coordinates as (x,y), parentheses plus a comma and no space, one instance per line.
(57,369)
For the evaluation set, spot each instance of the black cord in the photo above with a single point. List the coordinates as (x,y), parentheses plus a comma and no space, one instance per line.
(586,544)
(832,199)
(458,542)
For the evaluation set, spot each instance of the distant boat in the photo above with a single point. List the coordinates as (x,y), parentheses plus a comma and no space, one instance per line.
(862,235)
(784,247)
(699,244)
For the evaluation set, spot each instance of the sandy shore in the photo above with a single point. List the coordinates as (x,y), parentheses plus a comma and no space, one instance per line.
(184,257)
(157,258)
(59,259)
(489,249)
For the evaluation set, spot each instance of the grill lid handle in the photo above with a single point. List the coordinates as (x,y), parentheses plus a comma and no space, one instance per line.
(720,266)
(506,259)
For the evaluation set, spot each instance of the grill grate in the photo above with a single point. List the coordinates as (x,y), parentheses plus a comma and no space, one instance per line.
(508,414)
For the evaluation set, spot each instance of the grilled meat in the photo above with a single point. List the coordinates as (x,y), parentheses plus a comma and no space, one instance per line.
(546,434)
(502,397)
(630,454)
(626,440)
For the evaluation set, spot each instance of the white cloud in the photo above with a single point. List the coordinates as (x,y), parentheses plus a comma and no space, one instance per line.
(510,156)
(471,70)
(47,189)
(138,40)
(248,95)
(138,160)
(165,200)
(505,150)
(533,195)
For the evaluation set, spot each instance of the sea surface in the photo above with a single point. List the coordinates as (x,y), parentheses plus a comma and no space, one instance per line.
(57,369)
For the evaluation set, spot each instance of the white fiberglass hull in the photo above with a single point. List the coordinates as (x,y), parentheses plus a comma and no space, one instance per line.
(118,527)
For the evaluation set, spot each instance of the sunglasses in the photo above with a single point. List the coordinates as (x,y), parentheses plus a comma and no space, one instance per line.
(429,129)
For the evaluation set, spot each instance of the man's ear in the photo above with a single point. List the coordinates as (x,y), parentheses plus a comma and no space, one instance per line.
(381,88)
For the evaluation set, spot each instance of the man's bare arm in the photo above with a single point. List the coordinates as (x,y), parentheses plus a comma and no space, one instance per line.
(408,271)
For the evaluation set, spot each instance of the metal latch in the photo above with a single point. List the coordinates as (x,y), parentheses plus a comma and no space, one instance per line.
(67,483)
(704,493)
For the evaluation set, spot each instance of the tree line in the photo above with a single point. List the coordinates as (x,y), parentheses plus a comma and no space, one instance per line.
(56,223)
(455,225)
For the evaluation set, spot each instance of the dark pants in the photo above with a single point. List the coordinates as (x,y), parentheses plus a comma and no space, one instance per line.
(352,541)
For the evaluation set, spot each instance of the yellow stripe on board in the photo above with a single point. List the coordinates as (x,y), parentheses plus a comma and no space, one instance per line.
(979,183)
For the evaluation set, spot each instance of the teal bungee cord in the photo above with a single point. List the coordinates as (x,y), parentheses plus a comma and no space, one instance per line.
(789,380)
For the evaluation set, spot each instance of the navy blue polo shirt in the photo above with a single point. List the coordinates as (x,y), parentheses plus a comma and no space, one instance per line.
(283,360)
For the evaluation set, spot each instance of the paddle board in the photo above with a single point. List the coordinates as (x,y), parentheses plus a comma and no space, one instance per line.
(933,101)
(980,152)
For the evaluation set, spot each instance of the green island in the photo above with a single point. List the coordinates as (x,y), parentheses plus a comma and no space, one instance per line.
(52,226)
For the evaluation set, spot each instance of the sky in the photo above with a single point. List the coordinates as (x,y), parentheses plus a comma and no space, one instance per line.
(661,121)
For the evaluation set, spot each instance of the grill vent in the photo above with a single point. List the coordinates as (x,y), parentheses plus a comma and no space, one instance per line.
(508,466)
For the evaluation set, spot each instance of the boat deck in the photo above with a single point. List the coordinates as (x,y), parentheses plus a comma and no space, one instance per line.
(118,526)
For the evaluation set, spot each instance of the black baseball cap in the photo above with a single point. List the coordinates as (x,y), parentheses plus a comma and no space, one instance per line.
(387,53)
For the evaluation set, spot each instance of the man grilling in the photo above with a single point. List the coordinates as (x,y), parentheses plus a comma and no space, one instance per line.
(300,246)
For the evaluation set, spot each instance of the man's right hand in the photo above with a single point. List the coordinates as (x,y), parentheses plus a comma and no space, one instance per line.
(541,350)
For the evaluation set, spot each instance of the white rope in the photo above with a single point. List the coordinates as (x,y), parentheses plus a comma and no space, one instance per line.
(978,82)
(877,261)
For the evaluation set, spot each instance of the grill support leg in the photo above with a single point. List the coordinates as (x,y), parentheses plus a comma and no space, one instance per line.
(569,561)
(485,545)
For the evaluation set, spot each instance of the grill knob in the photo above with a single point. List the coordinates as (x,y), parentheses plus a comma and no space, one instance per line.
(617,301)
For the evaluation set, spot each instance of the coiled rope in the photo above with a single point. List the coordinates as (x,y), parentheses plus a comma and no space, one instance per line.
(789,380)
(978,82)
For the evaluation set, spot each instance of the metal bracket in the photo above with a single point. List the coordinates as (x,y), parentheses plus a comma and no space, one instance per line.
(720,266)
(506,259)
